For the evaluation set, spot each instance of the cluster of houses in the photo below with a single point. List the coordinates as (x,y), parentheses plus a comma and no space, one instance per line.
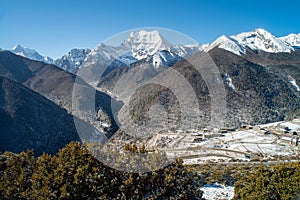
(290,131)
(285,130)
(282,128)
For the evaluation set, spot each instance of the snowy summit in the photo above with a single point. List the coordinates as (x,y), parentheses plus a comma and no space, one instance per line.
(144,43)
(292,39)
(228,44)
(258,40)
(72,59)
(149,45)
(31,54)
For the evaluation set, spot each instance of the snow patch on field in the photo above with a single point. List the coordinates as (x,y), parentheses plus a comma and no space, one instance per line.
(217,192)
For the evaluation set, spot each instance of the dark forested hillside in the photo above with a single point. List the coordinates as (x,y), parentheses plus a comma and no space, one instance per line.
(55,84)
(255,93)
(30,121)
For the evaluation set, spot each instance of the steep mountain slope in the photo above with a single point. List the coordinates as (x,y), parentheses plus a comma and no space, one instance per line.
(57,85)
(260,74)
(257,42)
(287,65)
(260,94)
(30,121)
(254,94)
(149,54)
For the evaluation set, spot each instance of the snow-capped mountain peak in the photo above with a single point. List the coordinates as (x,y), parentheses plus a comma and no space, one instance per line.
(228,44)
(292,39)
(153,47)
(31,54)
(18,47)
(72,59)
(144,43)
(260,39)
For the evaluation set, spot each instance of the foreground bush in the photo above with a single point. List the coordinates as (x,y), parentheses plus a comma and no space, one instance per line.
(75,174)
(277,182)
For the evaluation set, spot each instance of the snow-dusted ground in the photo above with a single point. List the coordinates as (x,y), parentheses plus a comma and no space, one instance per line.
(217,192)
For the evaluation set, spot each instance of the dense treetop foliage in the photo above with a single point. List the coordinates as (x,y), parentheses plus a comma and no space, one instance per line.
(277,182)
(74,174)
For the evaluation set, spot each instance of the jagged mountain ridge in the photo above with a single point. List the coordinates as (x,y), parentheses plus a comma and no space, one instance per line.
(31,54)
(256,40)
(262,40)
(72,59)
(138,46)
(148,44)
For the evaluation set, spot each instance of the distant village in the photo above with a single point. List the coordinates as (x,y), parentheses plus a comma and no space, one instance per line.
(279,140)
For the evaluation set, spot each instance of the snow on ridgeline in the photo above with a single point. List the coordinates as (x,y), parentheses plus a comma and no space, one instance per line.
(151,45)
(31,54)
(228,44)
(72,59)
(258,39)
(143,44)
(292,39)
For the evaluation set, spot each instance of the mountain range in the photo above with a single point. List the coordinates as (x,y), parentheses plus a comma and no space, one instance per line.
(151,45)
(50,82)
(260,73)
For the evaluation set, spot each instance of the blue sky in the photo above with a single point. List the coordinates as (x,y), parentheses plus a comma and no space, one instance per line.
(53,27)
